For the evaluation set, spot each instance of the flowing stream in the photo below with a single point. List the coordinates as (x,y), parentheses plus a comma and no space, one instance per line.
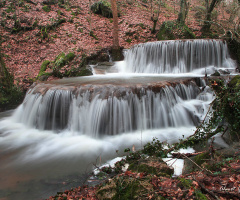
(65,127)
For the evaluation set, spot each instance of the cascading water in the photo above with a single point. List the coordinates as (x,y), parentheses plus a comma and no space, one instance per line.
(63,126)
(178,56)
(108,110)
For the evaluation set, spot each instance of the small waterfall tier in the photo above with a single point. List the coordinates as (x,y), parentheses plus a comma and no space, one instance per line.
(109,109)
(178,56)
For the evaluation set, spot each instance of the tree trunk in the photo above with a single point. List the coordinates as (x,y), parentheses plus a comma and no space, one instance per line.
(155,18)
(90,17)
(115,24)
(207,22)
(184,6)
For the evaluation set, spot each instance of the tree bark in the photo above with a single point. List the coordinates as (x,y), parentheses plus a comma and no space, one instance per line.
(155,18)
(207,23)
(184,6)
(115,25)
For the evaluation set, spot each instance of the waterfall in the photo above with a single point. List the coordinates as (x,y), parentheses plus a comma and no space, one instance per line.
(109,110)
(178,56)
(65,126)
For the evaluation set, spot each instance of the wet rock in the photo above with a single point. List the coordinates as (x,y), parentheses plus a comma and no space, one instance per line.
(223,71)
(216,73)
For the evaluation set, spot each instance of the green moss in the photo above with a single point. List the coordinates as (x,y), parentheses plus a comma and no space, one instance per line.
(200,195)
(143,168)
(70,56)
(185,183)
(166,31)
(129,40)
(127,189)
(46,8)
(60,60)
(171,30)
(94,36)
(201,158)
(44,65)
(84,72)
(235,82)
(187,33)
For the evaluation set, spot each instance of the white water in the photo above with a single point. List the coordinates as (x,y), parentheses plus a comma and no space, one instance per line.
(179,56)
(64,128)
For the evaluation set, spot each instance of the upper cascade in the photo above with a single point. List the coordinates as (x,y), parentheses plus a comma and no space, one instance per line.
(177,56)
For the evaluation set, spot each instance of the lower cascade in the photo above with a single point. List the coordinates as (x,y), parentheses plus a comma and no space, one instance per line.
(110,110)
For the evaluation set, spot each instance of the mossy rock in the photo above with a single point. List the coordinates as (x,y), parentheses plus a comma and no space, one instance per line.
(84,72)
(121,188)
(70,56)
(171,30)
(103,8)
(93,59)
(235,82)
(216,73)
(151,165)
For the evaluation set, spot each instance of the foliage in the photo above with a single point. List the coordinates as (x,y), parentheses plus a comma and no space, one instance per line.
(171,30)
(10,97)
(46,8)
(10,94)
(227,104)
(156,148)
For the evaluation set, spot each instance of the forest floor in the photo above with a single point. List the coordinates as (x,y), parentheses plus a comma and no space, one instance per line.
(206,175)
(25,51)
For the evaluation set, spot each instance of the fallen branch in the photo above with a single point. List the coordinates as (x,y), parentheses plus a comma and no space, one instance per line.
(184,155)
(197,165)
(206,190)
(229,195)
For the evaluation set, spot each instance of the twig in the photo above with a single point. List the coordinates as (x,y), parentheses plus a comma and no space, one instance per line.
(197,164)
